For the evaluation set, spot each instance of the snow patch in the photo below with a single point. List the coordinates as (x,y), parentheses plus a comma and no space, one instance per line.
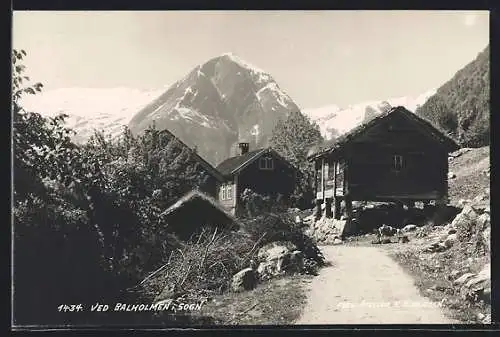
(345,119)
(280,96)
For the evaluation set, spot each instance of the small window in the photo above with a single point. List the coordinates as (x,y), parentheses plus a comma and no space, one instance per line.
(337,168)
(229,192)
(266,163)
(223,192)
(397,162)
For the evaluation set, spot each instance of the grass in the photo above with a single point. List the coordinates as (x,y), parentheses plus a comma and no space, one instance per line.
(469,181)
(275,302)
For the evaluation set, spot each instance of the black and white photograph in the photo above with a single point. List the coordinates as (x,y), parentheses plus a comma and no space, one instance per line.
(250,168)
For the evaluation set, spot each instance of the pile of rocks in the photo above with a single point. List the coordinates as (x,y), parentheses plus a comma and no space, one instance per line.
(276,258)
(471,225)
(474,286)
(326,230)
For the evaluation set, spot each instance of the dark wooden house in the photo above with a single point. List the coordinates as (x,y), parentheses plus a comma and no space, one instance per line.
(393,157)
(263,171)
(213,178)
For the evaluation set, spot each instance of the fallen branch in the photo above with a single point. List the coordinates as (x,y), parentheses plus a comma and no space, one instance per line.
(253,248)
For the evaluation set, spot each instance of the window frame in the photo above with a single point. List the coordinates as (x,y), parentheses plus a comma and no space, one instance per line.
(266,163)
(397,162)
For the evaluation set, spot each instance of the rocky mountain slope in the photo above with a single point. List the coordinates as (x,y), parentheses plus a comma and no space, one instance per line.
(461,106)
(217,104)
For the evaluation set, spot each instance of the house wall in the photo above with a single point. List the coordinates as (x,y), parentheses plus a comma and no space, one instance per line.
(367,164)
(229,204)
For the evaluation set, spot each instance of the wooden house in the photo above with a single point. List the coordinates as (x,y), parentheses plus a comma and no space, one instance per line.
(393,157)
(263,171)
(213,178)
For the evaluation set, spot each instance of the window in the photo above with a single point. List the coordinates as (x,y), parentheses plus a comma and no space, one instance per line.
(397,162)
(226,192)
(337,168)
(266,163)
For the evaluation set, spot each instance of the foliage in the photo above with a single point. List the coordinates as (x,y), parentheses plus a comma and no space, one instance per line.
(88,210)
(292,138)
(461,107)
(256,204)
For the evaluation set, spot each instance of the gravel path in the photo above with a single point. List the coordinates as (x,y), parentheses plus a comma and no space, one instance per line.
(365,286)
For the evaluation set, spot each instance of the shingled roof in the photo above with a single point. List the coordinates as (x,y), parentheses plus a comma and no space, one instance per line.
(230,165)
(335,144)
(235,164)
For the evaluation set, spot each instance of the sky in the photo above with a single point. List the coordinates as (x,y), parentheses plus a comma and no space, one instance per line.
(317,57)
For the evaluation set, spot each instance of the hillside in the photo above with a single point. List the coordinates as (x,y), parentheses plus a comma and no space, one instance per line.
(217,104)
(461,105)
(471,168)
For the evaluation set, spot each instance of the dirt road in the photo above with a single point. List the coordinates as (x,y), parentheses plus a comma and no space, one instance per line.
(365,286)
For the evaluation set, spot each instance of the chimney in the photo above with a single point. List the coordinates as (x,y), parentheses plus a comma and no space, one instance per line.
(243,148)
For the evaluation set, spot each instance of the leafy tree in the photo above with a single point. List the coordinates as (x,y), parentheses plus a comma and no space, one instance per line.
(292,138)
(461,106)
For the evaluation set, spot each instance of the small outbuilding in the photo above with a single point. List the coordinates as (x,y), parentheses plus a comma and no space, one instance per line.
(196,210)
(395,156)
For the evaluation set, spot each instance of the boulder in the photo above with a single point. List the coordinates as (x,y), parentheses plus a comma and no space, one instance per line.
(486,235)
(450,240)
(462,279)
(385,240)
(245,279)
(451,175)
(409,228)
(403,239)
(275,250)
(296,263)
(484,221)
(452,230)
(266,270)
(467,214)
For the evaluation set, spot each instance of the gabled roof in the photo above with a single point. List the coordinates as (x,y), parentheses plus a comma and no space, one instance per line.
(233,165)
(335,144)
(194,195)
(206,165)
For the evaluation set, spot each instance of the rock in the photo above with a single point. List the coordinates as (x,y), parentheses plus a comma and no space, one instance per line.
(454,274)
(296,264)
(462,279)
(451,175)
(266,270)
(337,241)
(486,234)
(385,241)
(452,231)
(403,239)
(275,250)
(483,221)
(480,316)
(245,279)
(409,228)
(450,240)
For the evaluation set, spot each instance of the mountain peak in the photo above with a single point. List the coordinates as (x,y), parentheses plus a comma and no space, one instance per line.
(241,62)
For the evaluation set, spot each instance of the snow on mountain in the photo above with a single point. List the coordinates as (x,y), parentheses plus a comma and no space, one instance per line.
(108,109)
(335,121)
